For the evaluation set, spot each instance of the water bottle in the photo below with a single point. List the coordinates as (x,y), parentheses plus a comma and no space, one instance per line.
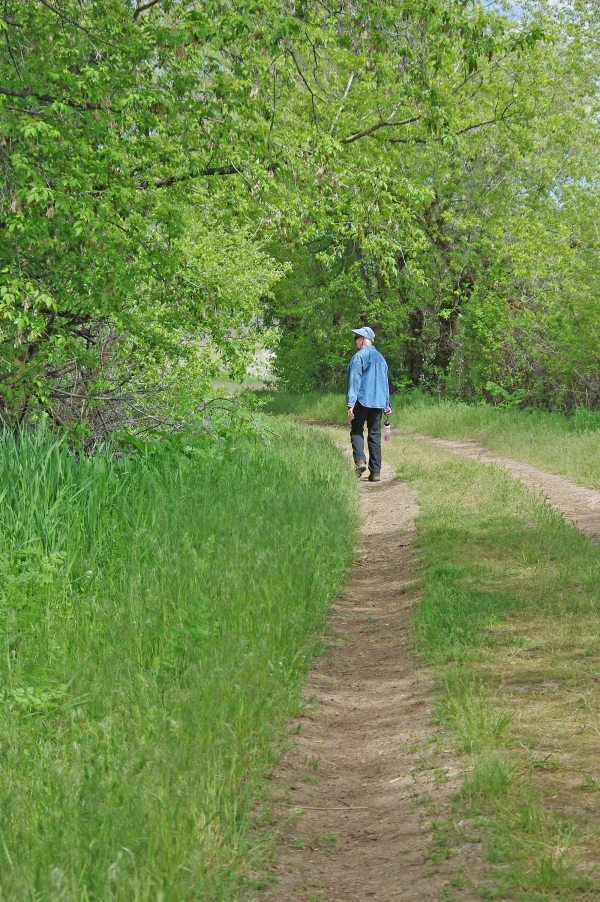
(387,430)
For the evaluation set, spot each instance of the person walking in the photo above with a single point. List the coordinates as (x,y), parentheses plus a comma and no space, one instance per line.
(367,396)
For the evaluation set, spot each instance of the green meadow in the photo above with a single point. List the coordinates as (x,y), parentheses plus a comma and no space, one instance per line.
(158,611)
(566,445)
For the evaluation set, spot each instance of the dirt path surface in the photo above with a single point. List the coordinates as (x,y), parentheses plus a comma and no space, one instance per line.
(358,796)
(578,504)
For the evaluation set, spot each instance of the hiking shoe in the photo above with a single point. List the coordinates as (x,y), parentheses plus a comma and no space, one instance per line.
(374,477)
(361,466)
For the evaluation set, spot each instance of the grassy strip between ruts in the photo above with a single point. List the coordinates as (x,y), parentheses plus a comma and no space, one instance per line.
(511,619)
(157,620)
(568,446)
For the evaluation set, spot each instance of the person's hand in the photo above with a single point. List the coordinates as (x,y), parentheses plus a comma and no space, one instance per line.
(351,413)
(388,411)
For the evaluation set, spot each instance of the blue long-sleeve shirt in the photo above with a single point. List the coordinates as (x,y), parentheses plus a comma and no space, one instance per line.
(368,379)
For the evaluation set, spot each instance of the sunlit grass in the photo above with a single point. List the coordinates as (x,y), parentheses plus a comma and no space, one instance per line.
(510,617)
(568,446)
(157,618)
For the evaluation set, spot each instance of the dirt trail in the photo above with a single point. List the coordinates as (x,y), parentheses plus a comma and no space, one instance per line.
(357,796)
(578,504)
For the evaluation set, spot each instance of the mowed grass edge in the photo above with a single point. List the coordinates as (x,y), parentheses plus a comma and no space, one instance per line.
(147,679)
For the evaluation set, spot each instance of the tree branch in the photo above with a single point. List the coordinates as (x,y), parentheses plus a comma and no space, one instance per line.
(14,62)
(346,92)
(173,179)
(470,128)
(306,84)
(144,7)
(462,131)
(384,123)
(210,404)
(47,98)
(61,15)
(19,109)
(104,398)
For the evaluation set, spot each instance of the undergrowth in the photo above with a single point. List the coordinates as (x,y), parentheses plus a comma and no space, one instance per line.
(318,407)
(157,614)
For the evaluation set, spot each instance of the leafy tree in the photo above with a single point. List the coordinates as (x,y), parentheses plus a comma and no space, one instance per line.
(126,134)
(486,274)
(151,153)
(427,83)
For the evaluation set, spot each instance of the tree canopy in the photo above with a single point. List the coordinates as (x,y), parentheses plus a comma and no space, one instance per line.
(182,181)
(473,252)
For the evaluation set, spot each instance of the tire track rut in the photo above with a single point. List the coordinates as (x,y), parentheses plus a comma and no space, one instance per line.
(579,504)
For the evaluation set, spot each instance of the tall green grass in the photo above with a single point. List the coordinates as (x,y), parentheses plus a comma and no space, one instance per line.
(568,446)
(55,504)
(157,617)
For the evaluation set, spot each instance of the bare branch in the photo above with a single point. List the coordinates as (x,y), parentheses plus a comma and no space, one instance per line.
(306,84)
(14,62)
(104,398)
(339,112)
(210,404)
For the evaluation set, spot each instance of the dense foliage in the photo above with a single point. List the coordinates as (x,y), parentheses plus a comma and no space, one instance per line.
(472,244)
(427,167)
(128,267)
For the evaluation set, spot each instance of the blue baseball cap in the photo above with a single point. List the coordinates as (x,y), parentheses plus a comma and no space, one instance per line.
(366,332)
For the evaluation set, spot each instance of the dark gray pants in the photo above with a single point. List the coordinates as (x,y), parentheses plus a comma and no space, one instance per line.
(372,417)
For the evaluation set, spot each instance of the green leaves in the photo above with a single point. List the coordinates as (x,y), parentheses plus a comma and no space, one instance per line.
(101,155)
(466,231)
(139,149)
